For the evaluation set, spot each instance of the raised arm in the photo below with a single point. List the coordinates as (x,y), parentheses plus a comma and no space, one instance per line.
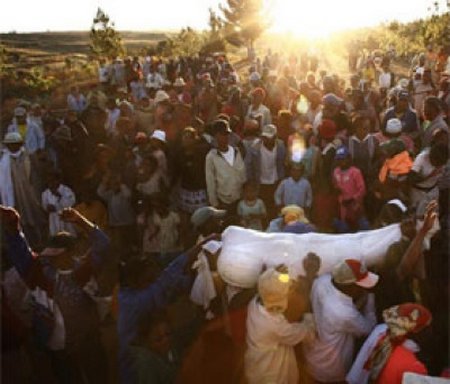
(412,254)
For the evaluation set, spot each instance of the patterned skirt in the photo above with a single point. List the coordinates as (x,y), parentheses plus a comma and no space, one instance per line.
(189,201)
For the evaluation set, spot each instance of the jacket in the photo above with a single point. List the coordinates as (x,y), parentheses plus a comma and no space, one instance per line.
(223,181)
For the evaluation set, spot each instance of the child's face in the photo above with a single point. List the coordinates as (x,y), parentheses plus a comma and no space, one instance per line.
(53,184)
(296,173)
(343,163)
(250,193)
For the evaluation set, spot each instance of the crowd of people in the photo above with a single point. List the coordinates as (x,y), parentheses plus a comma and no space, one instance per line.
(112,215)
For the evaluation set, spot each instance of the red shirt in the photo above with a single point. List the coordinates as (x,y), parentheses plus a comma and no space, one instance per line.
(401,360)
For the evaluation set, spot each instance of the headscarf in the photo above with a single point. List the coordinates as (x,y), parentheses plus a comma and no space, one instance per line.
(401,320)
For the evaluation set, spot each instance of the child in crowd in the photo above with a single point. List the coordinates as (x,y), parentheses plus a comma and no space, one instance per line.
(349,182)
(54,199)
(149,179)
(161,237)
(251,209)
(294,190)
(121,217)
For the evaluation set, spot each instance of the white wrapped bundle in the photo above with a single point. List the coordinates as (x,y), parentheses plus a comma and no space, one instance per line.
(245,251)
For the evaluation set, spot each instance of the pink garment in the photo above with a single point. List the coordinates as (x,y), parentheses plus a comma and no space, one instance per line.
(350,182)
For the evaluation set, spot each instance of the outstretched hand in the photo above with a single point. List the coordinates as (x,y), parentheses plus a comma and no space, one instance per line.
(10,219)
(70,215)
(429,217)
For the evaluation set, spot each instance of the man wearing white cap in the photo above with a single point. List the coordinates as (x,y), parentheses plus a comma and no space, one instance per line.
(31,133)
(270,356)
(16,189)
(343,310)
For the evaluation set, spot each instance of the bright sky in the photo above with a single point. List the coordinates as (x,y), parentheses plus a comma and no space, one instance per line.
(310,18)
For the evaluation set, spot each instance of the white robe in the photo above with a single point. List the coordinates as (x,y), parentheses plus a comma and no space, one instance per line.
(270,356)
(66,200)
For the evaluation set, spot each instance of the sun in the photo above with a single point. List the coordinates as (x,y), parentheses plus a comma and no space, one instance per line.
(310,19)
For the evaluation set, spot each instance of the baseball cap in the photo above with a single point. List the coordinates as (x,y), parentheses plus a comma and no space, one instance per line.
(221,126)
(403,95)
(273,288)
(341,153)
(58,243)
(351,271)
(269,131)
(203,214)
(20,111)
(13,138)
(332,99)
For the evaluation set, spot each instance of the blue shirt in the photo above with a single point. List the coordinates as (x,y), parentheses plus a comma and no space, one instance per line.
(134,304)
(294,192)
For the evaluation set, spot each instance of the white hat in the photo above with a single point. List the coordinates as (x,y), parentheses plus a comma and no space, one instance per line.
(20,111)
(254,76)
(159,135)
(273,73)
(161,96)
(269,131)
(393,126)
(13,138)
(399,204)
(212,246)
(179,82)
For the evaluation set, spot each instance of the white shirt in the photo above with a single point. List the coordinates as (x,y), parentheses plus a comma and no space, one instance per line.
(425,169)
(268,165)
(384,80)
(155,80)
(228,155)
(338,322)
(66,200)
(111,119)
(263,111)
(270,356)
(103,74)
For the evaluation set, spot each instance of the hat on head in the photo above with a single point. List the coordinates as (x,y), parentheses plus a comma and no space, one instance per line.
(203,214)
(62,133)
(273,73)
(179,82)
(403,95)
(352,271)
(220,126)
(159,135)
(341,153)
(406,318)
(58,244)
(332,99)
(254,76)
(20,111)
(269,131)
(398,203)
(273,288)
(327,129)
(393,126)
(161,96)
(13,138)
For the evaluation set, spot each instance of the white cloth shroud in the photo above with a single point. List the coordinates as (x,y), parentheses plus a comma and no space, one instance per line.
(203,289)
(244,251)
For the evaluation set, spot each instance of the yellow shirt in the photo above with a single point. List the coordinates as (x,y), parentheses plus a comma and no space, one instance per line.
(22,129)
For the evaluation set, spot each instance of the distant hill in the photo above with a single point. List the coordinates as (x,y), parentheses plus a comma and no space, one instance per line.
(73,42)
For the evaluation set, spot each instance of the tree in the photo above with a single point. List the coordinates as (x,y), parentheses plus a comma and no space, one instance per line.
(105,40)
(243,21)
